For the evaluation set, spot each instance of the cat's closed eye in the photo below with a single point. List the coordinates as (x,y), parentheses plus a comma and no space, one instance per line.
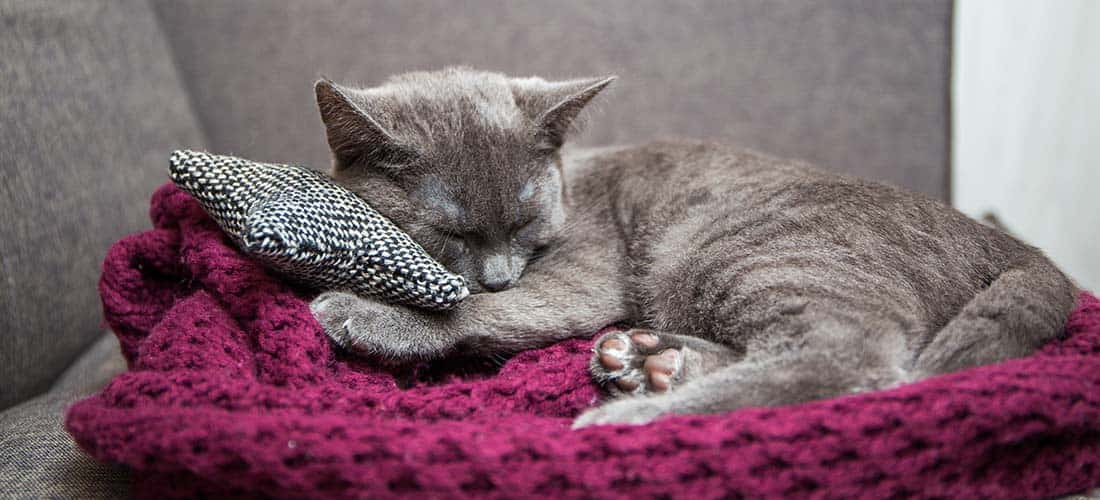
(525,235)
(459,240)
(523,225)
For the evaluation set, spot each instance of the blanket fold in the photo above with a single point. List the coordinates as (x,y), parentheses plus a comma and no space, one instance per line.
(233,389)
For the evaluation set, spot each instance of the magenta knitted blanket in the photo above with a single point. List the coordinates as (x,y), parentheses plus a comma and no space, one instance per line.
(233,389)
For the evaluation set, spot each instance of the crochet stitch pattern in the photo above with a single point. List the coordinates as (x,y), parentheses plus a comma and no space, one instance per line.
(234,390)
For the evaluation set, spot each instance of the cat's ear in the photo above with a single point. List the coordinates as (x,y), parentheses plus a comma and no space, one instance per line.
(554,106)
(354,136)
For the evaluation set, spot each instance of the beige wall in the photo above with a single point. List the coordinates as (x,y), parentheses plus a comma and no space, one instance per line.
(1027,123)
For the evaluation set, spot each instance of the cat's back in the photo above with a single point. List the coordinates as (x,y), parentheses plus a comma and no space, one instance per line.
(659,172)
(710,201)
(683,179)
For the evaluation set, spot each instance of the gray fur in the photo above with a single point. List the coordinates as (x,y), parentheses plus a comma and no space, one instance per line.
(776,282)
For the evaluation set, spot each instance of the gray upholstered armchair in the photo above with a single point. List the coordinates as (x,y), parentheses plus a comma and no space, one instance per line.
(94,95)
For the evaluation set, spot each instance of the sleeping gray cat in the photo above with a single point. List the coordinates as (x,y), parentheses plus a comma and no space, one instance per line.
(751,280)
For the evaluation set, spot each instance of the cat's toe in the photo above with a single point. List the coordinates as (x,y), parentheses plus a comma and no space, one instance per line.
(615,364)
(614,352)
(661,368)
(332,311)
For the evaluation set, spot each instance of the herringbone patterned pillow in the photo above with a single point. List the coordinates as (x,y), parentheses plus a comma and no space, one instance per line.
(307,227)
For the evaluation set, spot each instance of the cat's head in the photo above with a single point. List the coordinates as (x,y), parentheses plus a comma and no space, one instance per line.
(466,162)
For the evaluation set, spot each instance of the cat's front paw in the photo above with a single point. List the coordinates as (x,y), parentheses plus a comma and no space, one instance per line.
(633,411)
(369,328)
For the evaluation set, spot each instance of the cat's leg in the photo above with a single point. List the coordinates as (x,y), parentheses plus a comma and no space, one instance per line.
(498,323)
(641,361)
(824,352)
(574,291)
(794,377)
(1020,310)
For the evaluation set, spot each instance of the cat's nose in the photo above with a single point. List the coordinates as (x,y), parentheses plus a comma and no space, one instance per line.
(500,271)
(496,284)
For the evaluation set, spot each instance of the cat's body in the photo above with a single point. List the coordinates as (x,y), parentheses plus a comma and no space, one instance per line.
(757,281)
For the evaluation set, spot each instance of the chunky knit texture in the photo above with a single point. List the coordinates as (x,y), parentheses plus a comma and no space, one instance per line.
(233,389)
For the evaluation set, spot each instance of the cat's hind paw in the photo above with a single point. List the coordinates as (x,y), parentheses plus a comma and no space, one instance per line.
(636,362)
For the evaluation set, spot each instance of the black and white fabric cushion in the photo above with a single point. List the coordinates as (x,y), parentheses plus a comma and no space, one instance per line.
(302,224)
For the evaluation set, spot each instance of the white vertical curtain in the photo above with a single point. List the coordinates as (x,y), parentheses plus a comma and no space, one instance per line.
(1027,123)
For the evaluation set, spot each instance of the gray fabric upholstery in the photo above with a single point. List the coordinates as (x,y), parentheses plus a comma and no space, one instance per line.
(96,366)
(38,459)
(90,109)
(860,86)
(96,93)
